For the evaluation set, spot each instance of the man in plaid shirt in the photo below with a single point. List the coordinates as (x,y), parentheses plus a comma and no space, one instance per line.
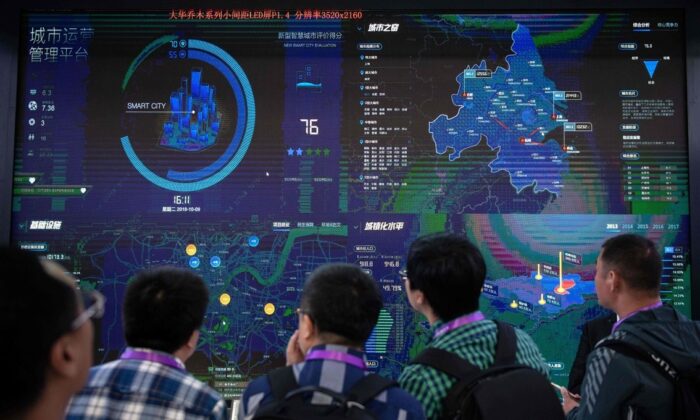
(443,280)
(163,311)
(339,308)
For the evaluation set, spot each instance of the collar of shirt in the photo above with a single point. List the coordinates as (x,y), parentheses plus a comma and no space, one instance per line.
(133,353)
(633,313)
(441,328)
(337,353)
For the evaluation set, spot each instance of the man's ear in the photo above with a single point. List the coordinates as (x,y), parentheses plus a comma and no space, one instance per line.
(307,328)
(63,357)
(420,297)
(194,338)
(614,282)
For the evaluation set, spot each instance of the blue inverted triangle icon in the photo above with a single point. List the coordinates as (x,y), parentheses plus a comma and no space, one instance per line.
(651,67)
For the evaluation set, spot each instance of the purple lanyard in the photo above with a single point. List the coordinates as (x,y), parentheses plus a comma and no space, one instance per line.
(337,356)
(646,308)
(458,322)
(164,359)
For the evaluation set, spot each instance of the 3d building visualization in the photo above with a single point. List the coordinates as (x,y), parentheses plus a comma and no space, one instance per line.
(194,121)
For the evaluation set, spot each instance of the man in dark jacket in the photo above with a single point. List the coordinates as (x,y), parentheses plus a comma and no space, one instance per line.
(616,386)
(591,333)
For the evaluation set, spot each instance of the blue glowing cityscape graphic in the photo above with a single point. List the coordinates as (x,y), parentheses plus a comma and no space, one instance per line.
(194,121)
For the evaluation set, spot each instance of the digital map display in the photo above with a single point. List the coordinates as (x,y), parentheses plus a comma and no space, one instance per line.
(253,146)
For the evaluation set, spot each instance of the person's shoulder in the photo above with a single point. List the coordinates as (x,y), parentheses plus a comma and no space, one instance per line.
(402,399)
(528,353)
(524,339)
(423,382)
(200,397)
(174,384)
(473,331)
(525,343)
(259,385)
(606,353)
(610,363)
(106,373)
(202,387)
(414,372)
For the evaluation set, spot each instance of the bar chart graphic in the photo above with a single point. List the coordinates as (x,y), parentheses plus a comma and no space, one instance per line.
(377,341)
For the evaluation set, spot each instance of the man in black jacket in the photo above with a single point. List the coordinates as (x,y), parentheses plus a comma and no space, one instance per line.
(617,386)
(591,333)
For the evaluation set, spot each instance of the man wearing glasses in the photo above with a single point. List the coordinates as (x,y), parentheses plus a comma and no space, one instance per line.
(163,311)
(340,305)
(47,339)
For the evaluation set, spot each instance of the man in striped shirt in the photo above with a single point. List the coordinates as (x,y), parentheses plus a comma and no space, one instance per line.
(339,307)
(443,280)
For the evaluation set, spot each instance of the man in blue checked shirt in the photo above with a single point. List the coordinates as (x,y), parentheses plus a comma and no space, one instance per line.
(163,311)
(339,307)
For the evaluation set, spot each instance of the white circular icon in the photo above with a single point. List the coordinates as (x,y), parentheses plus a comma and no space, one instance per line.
(32,105)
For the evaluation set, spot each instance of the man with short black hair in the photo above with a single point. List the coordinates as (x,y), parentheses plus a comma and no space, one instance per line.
(628,281)
(339,307)
(47,336)
(443,279)
(163,311)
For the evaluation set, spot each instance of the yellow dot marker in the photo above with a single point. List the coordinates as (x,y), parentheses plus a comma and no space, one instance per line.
(541,301)
(539,274)
(269,309)
(225,299)
(514,304)
(191,249)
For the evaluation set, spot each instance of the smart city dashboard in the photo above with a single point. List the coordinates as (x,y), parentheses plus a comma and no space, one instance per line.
(255,145)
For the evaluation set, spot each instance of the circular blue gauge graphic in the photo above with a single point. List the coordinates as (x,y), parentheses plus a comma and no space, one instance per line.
(192,123)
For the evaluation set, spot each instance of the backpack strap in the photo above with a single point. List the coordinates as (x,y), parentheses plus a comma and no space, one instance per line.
(636,352)
(467,373)
(453,365)
(506,345)
(282,381)
(368,387)
(450,363)
(445,361)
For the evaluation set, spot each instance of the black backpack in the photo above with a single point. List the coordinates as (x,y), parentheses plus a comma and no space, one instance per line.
(292,401)
(686,384)
(505,390)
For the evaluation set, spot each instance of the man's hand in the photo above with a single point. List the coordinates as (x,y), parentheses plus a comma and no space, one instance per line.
(570,400)
(294,352)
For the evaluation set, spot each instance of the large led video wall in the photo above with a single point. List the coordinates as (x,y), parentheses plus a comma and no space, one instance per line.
(255,145)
